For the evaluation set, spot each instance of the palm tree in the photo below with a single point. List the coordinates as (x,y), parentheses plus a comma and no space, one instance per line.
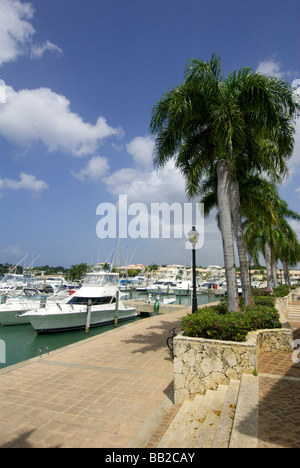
(289,251)
(289,247)
(268,232)
(258,199)
(212,122)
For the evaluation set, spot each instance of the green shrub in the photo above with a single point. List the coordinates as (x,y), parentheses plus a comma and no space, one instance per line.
(262,316)
(261,292)
(208,323)
(232,326)
(282,290)
(264,300)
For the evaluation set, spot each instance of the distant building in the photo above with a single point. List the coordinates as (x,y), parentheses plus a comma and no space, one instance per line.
(214,268)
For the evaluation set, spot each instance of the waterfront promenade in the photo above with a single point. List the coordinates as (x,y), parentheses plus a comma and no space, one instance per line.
(96,393)
(115,390)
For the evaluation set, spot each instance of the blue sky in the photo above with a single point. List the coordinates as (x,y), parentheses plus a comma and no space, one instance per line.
(81,78)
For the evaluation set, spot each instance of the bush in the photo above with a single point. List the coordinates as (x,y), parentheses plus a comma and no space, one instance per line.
(261,292)
(262,316)
(264,300)
(232,326)
(282,290)
(208,323)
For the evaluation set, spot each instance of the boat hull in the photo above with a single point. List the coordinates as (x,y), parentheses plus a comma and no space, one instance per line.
(9,312)
(8,318)
(47,322)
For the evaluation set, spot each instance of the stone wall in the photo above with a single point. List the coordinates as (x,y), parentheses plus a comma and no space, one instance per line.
(282,303)
(201,364)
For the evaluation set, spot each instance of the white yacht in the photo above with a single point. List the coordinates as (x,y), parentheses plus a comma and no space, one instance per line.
(184,288)
(96,298)
(12,283)
(162,287)
(13,307)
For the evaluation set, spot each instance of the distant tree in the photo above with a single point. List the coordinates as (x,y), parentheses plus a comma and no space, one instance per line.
(153,267)
(78,271)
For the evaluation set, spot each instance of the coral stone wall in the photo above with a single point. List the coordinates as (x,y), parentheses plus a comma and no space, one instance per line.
(201,364)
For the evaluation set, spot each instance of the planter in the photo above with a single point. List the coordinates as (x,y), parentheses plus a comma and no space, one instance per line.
(202,364)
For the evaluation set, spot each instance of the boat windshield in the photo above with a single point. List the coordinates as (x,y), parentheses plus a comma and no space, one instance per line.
(12,278)
(101,280)
(95,300)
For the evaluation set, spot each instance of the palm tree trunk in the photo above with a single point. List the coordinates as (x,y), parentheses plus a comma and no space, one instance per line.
(286,272)
(240,241)
(268,259)
(274,272)
(227,235)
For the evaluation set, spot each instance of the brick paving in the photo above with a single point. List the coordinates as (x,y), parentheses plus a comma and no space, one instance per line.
(96,393)
(100,392)
(279,399)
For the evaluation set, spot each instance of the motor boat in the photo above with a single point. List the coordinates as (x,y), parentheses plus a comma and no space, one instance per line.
(162,287)
(183,288)
(95,302)
(13,307)
(12,283)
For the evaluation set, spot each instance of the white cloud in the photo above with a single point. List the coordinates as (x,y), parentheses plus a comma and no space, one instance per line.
(273,67)
(12,251)
(15,29)
(141,149)
(148,186)
(26,182)
(270,67)
(143,183)
(96,168)
(16,32)
(37,51)
(295,225)
(41,115)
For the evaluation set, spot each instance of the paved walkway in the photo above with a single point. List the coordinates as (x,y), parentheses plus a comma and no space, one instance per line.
(279,398)
(96,393)
(115,390)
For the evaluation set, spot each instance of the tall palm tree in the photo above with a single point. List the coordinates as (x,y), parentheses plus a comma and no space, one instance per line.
(268,232)
(289,248)
(212,122)
(259,198)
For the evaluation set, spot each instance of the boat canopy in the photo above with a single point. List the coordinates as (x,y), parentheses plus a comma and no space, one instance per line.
(101,279)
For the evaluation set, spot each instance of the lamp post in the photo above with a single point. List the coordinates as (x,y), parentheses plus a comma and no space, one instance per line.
(194,237)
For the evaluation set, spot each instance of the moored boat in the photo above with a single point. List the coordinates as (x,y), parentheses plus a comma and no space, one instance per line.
(12,308)
(162,287)
(94,301)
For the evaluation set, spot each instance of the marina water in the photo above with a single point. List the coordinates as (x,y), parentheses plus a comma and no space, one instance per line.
(22,342)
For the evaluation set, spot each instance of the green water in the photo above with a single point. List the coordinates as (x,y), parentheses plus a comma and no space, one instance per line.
(20,342)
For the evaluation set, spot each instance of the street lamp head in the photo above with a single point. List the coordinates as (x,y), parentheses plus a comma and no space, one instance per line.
(193,236)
